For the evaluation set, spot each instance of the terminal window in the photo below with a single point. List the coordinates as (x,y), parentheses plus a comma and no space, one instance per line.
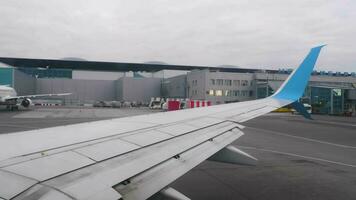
(228,82)
(227,93)
(212,81)
(337,92)
(244,82)
(236,82)
(244,93)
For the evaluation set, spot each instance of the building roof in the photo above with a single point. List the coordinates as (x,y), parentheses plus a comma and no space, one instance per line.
(111,66)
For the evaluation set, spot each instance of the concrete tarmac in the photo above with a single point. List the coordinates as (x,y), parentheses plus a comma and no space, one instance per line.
(298,158)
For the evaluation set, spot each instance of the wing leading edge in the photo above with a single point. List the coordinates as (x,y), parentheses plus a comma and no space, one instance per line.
(134,157)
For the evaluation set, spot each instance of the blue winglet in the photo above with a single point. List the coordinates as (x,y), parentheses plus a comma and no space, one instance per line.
(293,88)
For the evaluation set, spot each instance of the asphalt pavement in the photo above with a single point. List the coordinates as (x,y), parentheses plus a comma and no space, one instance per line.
(298,158)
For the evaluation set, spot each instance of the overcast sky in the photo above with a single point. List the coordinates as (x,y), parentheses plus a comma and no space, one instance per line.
(246,33)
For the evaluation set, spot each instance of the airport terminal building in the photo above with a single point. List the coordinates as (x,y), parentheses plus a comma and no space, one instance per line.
(327,92)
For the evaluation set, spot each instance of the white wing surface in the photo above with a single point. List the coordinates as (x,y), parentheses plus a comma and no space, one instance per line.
(133,157)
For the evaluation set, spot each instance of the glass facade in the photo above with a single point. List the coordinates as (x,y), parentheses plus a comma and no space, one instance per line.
(264,91)
(337,101)
(320,100)
(47,73)
(6,76)
(327,100)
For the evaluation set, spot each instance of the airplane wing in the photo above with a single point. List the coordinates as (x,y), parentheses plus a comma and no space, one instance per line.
(37,95)
(133,157)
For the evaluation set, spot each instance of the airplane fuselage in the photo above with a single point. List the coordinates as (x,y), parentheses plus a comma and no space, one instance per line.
(5,93)
(9,98)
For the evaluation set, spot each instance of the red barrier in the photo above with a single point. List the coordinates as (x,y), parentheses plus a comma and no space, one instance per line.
(191,103)
(173,105)
(197,103)
(209,103)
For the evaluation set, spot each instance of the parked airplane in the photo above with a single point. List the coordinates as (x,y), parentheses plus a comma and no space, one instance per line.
(133,157)
(9,98)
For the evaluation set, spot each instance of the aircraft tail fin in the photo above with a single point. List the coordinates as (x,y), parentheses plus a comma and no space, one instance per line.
(293,88)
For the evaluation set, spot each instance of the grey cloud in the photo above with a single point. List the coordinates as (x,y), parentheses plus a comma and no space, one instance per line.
(274,33)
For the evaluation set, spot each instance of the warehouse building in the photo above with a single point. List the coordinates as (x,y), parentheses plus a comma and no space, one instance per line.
(86,87)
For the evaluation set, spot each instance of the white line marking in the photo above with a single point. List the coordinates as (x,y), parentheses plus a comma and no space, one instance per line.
(316,120)
(304,138)
(336,123)
(301,156)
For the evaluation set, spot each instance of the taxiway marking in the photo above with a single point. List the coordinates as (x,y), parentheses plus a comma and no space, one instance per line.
(336,123)
(304,138)
(300,156)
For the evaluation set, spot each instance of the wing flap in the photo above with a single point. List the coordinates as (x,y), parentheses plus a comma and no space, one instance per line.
(50,166)
(110,172)
(153,180)
(147,137)
(59,137)
(15,184)
(108,149)
(42,192)
(177,129)
(204,121)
